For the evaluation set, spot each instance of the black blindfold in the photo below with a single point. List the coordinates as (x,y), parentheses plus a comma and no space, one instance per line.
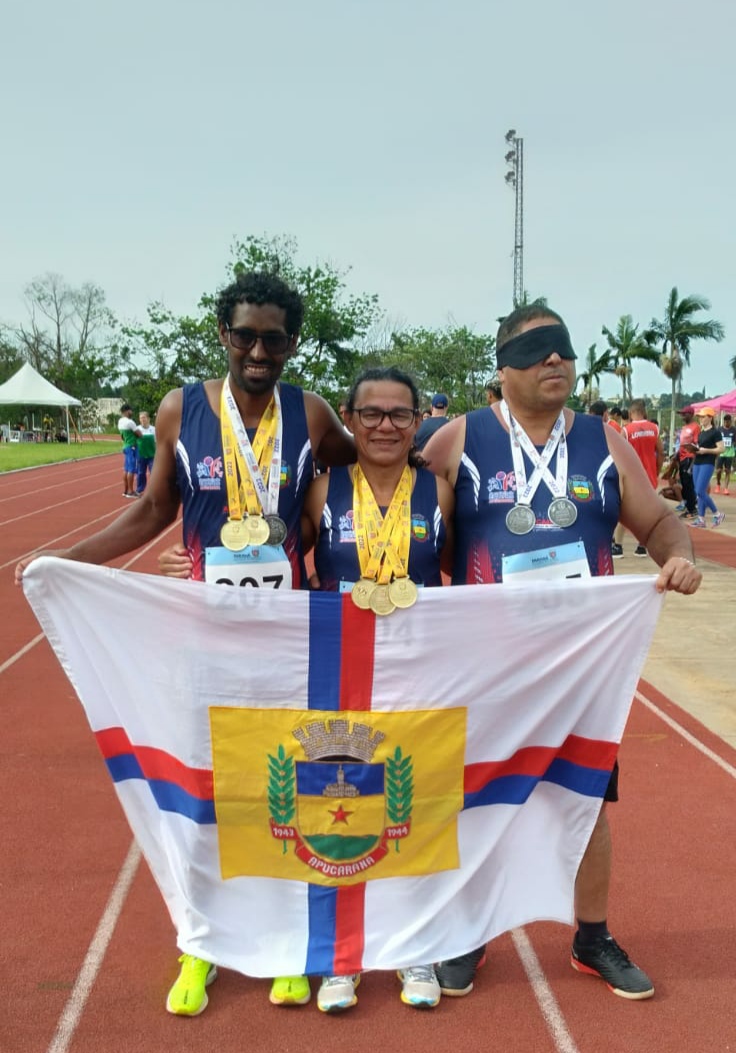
(535,345)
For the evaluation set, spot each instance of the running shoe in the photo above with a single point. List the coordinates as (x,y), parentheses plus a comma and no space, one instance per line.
(603,957)
(617,551)
(188,996)
(640,551)
(337,993)
(716,489)
(419,986)
(698,521)
(688,515)
(456,975)
(290,990)
(718,518)
(727,493)
(681,507)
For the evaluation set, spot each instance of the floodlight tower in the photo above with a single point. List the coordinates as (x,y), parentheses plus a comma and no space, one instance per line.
(515,178)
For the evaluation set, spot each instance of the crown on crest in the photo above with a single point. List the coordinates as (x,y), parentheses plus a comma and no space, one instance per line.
(331,738)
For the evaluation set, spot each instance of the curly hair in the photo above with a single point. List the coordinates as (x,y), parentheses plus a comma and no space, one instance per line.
(261,287)
(513,322)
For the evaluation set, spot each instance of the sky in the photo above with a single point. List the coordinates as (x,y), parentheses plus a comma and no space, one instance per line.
(142,139)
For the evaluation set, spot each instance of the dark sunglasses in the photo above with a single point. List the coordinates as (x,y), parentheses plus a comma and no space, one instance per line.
(243,339)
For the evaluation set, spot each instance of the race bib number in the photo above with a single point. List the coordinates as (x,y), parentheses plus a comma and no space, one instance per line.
(257,566)
(546,564)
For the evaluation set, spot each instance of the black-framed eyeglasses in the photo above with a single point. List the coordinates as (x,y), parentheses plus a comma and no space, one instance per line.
(400,416)
(243,339)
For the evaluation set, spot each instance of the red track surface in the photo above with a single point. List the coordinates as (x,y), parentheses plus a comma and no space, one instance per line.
(88,952)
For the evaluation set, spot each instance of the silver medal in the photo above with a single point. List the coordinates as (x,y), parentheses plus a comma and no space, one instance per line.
(277,530)
(520,519)
(562,512)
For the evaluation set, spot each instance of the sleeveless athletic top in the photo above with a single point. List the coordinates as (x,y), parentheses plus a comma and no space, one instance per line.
(201,480)
(336,555)
(486,490)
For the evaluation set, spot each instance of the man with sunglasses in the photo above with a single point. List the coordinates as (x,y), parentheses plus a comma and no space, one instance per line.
(238,454)
(538,490)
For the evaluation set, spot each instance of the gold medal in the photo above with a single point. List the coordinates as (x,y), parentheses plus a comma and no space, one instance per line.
(361,593)
(257,530)
(233,535)
(403,592)
(380,601)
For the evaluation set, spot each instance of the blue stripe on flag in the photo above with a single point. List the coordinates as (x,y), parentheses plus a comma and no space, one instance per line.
(322,930)
(515,789)
(168,796)
(325,647)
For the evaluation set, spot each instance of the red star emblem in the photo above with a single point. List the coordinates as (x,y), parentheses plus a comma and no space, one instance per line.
(341,816)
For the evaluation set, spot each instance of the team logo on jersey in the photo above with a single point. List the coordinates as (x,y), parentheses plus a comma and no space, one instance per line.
(580,488)
(346,528)
(419,527)
(285,476)
(209,473)
(501,487)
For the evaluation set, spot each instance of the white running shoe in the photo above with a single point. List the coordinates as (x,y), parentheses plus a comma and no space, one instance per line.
(419,986)
(337,993)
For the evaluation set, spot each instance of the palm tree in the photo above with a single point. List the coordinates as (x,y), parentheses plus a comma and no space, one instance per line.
(732,364)
(595,367)
(626,345)
(676,332)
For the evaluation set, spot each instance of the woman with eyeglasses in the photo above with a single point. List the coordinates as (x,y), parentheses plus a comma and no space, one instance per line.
(380,530)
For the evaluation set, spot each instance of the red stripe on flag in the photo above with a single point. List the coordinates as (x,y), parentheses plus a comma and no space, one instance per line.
(534,760)
(349,940)
(356,656)
(155,764)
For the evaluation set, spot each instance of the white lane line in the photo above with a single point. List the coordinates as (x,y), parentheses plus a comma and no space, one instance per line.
(705,750)
(75,1006)
(60,504)
(55,486)
(548,1004)
(56,540)
(37,639)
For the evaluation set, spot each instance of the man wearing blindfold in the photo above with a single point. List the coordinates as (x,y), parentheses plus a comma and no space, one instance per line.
(538,491)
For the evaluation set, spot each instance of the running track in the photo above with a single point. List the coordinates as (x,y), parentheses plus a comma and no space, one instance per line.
(87,951)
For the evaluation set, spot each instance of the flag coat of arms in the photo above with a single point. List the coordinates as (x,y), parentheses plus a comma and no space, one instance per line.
(320,790)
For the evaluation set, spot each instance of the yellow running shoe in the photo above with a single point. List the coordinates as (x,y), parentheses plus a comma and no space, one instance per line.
(188,996)
(290,990)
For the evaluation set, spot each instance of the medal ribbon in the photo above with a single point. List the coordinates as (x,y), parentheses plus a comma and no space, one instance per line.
(253,464)
(382,542)
(556,484)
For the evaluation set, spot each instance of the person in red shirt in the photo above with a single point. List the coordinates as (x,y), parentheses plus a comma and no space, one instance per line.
(614,418)
(643,436)
(688,440)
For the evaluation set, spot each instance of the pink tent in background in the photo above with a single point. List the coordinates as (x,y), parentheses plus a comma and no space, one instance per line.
(722,404)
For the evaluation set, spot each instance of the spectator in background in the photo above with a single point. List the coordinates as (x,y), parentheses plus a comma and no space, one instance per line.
(709,446)
(599,409)
(494,392)
(129,432)
(146,449)
(614,418)
(687,443)
(427,428)
(643,436)
(724,464)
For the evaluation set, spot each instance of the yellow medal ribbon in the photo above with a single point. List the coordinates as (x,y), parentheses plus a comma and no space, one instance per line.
(240,489)
(382,541)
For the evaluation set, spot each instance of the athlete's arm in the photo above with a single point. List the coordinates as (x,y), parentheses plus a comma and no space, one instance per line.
(446,501)
(314,503)
(331,444)
(444,450)
(151,514)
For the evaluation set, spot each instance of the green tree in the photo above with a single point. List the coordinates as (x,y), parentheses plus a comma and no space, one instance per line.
(331,343)
(675,333)
(589,377)
(625,346)
(453,360)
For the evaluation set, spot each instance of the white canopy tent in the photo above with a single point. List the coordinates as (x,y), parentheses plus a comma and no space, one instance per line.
(28,388)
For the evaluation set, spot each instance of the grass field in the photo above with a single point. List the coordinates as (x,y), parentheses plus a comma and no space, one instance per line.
(29,454)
